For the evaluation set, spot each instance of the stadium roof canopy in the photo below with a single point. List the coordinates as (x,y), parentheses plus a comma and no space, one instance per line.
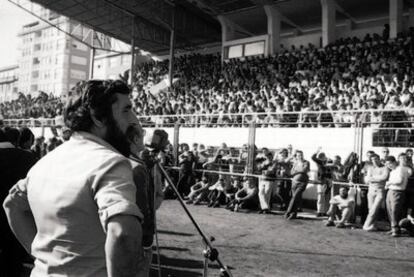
(196,20)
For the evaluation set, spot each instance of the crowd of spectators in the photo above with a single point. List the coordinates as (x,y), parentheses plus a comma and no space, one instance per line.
(279,178)
(325,84)
(26,107)
(351,74)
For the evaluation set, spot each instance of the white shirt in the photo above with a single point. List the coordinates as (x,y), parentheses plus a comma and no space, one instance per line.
(398,178)
(72,193)
(344,202)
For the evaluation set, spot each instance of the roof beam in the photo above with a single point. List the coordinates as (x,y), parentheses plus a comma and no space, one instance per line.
(341,10)
(262,3)
(215,11)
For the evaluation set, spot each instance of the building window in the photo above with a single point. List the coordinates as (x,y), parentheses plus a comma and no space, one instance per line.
(79,60)
(77,74)
(36,61)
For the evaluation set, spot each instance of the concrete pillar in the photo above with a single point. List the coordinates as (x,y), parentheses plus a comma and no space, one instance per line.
(396,17)
(328,21)
(273,28)
(227,29)
(411,17)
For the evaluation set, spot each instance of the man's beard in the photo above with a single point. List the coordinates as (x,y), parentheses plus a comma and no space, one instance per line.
(115,137)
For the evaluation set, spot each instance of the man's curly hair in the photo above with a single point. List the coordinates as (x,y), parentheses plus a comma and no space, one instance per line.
(96,98)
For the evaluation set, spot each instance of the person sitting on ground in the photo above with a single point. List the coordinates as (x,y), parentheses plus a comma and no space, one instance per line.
(408,224)
(246,198)
(341,207)
(231,189)
(216,194)
(198,191)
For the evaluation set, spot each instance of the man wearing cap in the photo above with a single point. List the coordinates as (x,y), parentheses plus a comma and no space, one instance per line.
(149,194)
(76,211)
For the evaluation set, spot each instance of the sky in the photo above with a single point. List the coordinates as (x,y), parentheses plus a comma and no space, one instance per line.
(12,18)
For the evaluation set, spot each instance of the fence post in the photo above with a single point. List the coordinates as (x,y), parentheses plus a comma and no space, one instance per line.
(176,142)
(251,143)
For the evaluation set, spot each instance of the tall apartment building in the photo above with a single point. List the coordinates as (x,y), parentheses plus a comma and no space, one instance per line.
(8,83)
(51,60)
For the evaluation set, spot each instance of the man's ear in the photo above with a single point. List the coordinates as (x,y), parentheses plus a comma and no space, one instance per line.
(100,123)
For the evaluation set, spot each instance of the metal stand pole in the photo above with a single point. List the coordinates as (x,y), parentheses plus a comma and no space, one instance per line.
(210,253)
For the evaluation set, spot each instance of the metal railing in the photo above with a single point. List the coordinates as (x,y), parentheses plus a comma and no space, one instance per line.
(386,118)
(301,119)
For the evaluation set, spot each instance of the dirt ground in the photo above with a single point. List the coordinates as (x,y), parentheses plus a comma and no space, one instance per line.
(268,245)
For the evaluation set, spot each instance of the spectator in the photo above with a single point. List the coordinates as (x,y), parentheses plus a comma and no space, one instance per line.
(396,185)
(282,167)
(408,224)
(216,195)
(300,180)
(14,164)
(26,138)
(376,177)
(266,181)
(246,198)
(187,166)
(341,206)
(365,166)
(198,191)
(325,178)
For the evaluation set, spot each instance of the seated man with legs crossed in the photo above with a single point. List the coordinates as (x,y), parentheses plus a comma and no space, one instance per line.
(341,207)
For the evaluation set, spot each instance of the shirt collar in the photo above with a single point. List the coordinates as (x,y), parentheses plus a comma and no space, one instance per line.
(6,144)
(88,136)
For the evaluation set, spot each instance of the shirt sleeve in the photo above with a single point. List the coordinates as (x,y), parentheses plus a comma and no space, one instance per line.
(115,194)
(18,195)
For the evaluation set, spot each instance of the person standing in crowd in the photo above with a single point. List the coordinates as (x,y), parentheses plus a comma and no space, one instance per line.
(325,178)
(376,177)
(385,152)
(187,166)
(364,167)
(76,211)
(300,180)
(66,133)
(265,181)
(26,139)
(149,193)
(342,206)
(396,185)
(14,164)
(282,166)
(12,136)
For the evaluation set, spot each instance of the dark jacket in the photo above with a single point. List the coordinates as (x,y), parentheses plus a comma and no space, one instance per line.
(145,198)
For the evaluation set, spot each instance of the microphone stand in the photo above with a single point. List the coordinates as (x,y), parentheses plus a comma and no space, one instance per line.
(209,253)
